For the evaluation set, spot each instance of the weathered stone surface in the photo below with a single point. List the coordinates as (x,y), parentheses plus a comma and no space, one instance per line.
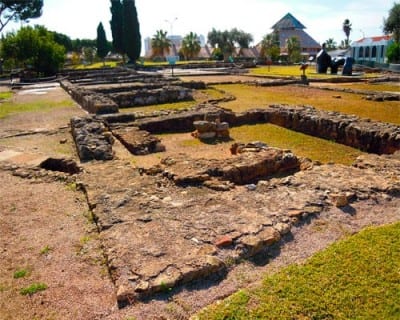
(367,135)
(242,169)
(92,139)
(145,96)
(92,102)
(195,233)
(138,142)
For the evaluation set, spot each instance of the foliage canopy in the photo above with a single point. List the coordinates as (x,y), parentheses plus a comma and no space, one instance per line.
(34,48)
(19,10)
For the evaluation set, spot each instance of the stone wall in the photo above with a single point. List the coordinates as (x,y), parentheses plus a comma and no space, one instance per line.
(92,139)
(370,136)
(364,134)
(92,102)
(146,96)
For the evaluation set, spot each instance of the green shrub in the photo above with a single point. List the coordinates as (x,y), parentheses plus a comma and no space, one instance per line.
(20,273)
(33,288)
(393,52)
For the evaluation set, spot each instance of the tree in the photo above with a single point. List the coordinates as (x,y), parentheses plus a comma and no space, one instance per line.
(160,44)
(270,46)
(117,26)
(330,44)
(19,10)
(125,29)
(101,43)
(347,29)
(392,23)
(241,38)
(64,40)
(293,49)
(89,54)
(34,48)
(227,41)
(79,44)
(132,41)
(393,52)
(190,46)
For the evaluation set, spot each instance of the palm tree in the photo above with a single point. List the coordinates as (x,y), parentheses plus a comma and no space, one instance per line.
(293,49)
(190,46)
(269,46)
(160,44)
(347,29)
(330,44)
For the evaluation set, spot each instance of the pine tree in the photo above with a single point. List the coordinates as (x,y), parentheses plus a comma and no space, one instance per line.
(131,31)
(116,26)
(101,42)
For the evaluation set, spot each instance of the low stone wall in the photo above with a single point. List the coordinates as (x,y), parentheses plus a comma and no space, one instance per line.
(183,121)
(146,96)
(370,136)
(364,134)
(221,175)
(92,139)
(90,101)
(138,142)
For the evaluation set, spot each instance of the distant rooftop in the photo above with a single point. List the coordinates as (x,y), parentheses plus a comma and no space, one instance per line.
(374,39)
(288,22)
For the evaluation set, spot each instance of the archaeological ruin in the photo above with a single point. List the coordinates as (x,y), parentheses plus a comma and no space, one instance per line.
(186,218)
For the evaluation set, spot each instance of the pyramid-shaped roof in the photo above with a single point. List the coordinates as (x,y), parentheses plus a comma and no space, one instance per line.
(288,22)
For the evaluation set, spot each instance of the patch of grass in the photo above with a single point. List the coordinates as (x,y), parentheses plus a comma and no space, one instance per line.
(6,95)
(371,86)
(9,108)
(45,250)
(300,144)
(71,186)
(256,97)
(357,278)
(294,71)
(33,288)
(97,65)
(21,273)
(158,107)
(3,288)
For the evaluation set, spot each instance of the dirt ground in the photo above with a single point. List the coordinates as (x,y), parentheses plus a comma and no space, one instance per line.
(46,230)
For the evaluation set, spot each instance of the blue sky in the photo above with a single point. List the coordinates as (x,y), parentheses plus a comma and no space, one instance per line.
(323,19)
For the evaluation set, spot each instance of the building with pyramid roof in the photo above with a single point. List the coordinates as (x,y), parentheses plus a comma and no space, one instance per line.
(289,27)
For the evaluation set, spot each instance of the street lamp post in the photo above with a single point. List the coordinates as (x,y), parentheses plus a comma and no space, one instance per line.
(171,24)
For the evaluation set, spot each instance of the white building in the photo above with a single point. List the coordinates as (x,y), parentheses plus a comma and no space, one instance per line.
(371,49)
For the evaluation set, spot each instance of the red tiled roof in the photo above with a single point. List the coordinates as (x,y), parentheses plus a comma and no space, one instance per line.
(375,39)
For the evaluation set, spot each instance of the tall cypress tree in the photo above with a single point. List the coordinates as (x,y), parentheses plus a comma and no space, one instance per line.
(116,24)
(101,42)
(131,31)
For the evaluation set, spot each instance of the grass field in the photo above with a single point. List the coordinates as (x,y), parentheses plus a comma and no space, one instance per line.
(8,108)
(358,278)
(254,97)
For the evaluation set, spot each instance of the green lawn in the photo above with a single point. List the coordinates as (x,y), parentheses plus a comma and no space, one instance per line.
(294,71)
(8,108)
(248,97)
(300,144)
(357,278)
